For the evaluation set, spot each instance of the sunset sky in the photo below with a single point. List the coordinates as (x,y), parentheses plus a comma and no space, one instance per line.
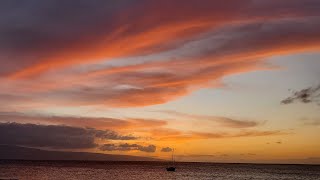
(219,81)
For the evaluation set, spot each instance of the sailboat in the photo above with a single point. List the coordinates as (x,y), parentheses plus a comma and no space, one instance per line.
(172,168)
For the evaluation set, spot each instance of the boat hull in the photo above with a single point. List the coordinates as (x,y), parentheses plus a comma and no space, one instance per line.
(171,169)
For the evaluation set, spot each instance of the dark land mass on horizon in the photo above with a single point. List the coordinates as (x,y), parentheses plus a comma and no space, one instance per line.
(8,152)
(17,153)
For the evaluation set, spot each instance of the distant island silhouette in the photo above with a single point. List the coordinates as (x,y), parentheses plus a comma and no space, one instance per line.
(8,152)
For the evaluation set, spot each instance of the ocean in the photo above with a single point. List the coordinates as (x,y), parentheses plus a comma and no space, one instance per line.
(78,170)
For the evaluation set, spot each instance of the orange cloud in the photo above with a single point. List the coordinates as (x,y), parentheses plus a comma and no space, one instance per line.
(131,33)
(91,122)
(167,134)
(191,46)
(149,129)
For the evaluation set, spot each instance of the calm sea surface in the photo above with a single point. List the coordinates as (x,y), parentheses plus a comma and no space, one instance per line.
(151,170)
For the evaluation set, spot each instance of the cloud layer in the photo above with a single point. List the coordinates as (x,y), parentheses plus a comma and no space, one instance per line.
(221,121)
(131,54)
(55,136)
(127,147)
(67,132)
(92,122)
(167,134)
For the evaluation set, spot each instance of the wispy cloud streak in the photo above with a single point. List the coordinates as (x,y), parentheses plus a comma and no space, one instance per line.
(165,134)
(221,121)
(91,122)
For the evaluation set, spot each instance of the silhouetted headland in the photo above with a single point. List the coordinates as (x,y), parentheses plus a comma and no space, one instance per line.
(23,153)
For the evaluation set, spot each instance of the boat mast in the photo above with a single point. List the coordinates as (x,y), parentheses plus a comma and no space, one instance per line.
(172,156)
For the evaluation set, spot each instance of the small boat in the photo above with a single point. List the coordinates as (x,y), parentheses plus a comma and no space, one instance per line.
(172,168)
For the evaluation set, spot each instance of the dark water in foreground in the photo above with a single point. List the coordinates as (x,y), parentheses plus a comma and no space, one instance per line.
(151,170)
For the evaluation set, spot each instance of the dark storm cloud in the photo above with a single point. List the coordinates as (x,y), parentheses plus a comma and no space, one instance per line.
(166,149)
(54,136)
(127,147)
(308,95)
